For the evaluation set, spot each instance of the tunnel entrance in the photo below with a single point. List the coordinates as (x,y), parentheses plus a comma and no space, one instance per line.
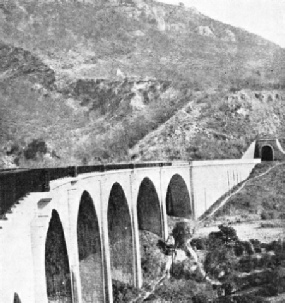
(148,208)
(178,199)
(56,263)
(267,153)
(120,236)
(89,251)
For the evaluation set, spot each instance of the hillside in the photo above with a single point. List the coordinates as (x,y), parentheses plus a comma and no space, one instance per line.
(216,126)
(262,197)
(84,82)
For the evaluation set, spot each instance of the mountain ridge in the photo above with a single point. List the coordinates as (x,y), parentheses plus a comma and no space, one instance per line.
(112,75)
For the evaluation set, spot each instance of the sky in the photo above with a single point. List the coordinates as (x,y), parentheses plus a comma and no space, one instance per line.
(262,17)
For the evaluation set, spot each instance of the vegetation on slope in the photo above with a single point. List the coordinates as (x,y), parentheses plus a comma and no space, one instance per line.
(262,196)
(239,271)
(142,38)
(91,80)
(216,125)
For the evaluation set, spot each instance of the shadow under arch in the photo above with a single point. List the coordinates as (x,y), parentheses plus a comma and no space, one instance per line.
(148,208)
(89,251)
(57,263)
(267,153)
(120,236)
(178,203)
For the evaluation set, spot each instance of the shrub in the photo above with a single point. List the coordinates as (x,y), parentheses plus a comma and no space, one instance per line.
(246,264)
(229,233)
(268,291)
(199,243)
(267,225)
(248,247)
(220,262)
(226,235)
(123,292)
(238,249)
(282,216)
(267,215)
(200,298)
(35,148)
(182,270)
(182,232)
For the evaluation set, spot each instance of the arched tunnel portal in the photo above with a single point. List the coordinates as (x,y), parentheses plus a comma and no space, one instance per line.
(89,251)
(148,208)
(178,202)
(267,153)
(57,263)
(120,236)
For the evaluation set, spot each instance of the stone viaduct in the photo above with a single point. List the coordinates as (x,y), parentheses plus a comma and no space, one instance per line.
(83,232)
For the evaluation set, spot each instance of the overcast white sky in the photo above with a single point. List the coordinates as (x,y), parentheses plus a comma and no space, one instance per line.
(262,17)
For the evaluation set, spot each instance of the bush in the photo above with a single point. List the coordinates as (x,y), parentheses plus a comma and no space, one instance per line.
(123,292)
(238,249)
(282,216)
(200,298)
(248,247)
(256,244)
(220,262)
(36,147)
(181,232)
(182,270)
(267,215)
(199,243)
(268,291)
(183,291)
(226,235)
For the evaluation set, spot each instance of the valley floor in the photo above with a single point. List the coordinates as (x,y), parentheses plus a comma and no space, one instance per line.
(264,231)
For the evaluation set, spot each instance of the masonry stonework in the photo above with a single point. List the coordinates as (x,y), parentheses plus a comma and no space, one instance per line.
(24,233)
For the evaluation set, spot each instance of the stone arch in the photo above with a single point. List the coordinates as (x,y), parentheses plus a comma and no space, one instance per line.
(267,153)
(148,208)
(178,203)
(57,268)
(89,251)
(120,236)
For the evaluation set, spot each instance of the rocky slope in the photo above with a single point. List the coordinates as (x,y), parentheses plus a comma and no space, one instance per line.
(218,125)
(140,38)
(90,79)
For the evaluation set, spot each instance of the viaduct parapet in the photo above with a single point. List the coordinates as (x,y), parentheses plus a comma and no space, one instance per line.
(81,233)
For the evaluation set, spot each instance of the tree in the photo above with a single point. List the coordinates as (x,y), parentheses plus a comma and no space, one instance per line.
(182,232)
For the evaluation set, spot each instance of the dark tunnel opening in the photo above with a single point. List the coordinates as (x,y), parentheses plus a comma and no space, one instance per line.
(267,153)
(120,236)
(89,250)
(57,263)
